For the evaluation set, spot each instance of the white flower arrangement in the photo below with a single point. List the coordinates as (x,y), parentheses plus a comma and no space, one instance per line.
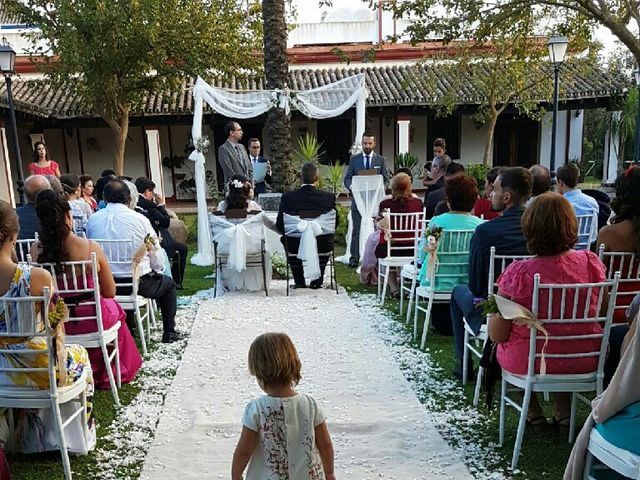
(236,183)
(202,144)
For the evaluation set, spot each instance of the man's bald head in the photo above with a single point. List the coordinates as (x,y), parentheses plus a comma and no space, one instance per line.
(34,185)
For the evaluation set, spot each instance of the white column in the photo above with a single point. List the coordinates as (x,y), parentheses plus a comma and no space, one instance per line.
(611,149)
(6,179)
(403,135)
(576,125)
(155,158)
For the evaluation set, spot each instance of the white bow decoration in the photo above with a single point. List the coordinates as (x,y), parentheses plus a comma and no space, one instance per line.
(308,250)
(238,236)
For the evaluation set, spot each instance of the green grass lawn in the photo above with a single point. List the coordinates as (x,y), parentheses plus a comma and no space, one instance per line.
(544,452)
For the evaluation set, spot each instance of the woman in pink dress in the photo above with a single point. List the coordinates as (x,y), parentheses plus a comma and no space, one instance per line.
(42,164)
(57,243)
(551,229)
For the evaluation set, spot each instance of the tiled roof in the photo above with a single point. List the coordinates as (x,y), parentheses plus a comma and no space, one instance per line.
(407,85)
(6,18)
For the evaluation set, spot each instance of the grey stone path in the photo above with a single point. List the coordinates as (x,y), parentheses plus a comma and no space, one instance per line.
(378,426)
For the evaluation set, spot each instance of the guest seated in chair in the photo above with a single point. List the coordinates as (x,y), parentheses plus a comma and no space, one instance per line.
(402,201)
(306,198)
(510,191)
(117,222)
(37,426)
(551,229)
(151,205)
(239,196)
(58,243)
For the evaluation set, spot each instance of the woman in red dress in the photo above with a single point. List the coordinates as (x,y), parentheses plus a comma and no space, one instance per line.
(42,164)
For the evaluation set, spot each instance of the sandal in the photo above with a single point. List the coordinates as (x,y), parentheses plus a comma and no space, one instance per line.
(561,424)
(537,421)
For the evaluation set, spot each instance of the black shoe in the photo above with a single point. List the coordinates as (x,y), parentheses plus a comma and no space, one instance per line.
(179,286)
(457,372)
(316,284)
(295,286)
(353,264)
(171,337)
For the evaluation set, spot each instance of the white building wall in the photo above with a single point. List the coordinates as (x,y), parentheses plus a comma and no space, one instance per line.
(472,140)
(576,122)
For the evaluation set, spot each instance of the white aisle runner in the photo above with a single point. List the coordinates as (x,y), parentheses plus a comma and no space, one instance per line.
(378,426)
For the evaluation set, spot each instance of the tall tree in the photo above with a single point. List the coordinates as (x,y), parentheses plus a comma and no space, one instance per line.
(118,51)
(456,18)
(276,68)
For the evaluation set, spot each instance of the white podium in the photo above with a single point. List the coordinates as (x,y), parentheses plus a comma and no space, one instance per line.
(368,192)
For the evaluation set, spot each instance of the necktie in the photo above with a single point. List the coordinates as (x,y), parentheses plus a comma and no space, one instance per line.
(366,162)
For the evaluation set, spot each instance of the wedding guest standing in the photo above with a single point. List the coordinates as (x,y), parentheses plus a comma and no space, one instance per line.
(42,164)
(261,167)
(367,160)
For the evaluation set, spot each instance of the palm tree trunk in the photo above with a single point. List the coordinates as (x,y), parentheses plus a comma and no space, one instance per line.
(276,67)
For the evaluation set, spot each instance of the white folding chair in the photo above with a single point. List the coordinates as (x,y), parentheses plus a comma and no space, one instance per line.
(73,287)
(409,272)
(23,247)
(238,232)
(587,231)
(452,253)
(575,301)
(307,226)
(120,253)
(474,343)
(611,457)
(404,230)
(628,264)
(30,312)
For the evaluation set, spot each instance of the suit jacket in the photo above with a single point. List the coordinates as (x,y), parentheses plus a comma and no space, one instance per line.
(233,163)
(434,194)
(307,197)
(356,163)
(260,186)
(504,233)
(156,214)
(28,220)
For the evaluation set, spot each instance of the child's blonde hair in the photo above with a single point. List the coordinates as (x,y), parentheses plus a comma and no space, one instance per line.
(273,360)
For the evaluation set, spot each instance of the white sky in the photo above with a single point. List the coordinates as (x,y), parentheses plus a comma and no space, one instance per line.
(309,12)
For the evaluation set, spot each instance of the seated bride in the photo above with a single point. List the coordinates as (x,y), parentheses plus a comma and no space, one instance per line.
(235,244)
(240,196)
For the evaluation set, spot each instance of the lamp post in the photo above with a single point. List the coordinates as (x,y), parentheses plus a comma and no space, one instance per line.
(557,51)
(636,150)
(7,67)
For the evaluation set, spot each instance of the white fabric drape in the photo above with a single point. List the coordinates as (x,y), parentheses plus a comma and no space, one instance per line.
(308,230)
(327,101)
(368,192)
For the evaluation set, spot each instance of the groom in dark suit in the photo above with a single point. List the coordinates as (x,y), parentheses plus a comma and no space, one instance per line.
(308,197)
(232,155)
(367,160)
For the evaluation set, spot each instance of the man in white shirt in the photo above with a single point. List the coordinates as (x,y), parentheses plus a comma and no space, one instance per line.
(117,222)
(584,205)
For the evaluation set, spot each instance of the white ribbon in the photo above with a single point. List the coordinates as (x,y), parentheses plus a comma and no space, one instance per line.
(308,250)
(238,236)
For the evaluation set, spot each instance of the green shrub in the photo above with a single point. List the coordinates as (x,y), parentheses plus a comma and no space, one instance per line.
(341,231)
(479,172)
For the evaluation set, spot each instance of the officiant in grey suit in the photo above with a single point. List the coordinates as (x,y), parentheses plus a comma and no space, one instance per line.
(367,160)
(232,155)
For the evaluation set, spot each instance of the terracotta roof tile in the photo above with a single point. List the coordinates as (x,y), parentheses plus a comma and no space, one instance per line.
(388,86)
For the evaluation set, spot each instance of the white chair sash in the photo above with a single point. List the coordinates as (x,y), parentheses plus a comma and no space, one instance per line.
(237,239)
(308,230)
(368,192)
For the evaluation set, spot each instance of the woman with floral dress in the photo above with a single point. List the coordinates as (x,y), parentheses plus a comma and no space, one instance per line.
(34,429)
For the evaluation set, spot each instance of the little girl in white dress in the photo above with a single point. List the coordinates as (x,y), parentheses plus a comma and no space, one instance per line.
(284,435)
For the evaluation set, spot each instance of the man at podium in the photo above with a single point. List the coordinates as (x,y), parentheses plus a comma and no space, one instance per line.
(366,163)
